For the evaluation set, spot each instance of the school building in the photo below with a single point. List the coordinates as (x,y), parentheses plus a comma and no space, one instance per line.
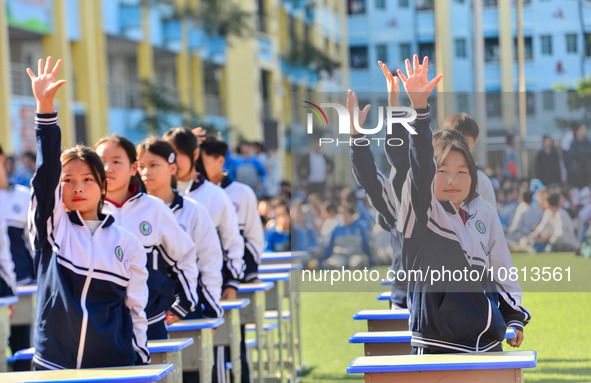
(246,84)
(557,40)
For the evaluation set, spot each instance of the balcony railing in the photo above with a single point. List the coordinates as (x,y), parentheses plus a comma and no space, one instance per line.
(213,105)
(21,84)
(125,94)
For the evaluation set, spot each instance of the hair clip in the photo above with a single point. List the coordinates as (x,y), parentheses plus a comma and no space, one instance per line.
(171,158)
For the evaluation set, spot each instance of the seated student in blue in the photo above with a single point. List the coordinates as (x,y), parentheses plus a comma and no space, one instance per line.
(446,225)
(91,272)
(278,238)
(348,245)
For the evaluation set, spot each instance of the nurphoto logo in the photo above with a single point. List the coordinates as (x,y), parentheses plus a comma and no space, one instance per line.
(394,115)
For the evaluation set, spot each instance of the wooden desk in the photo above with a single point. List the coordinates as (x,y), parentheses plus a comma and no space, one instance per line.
(134,374)
(5,328)
(489,367)
(283,257)
(378,343)
(384,320)
(255,313)
(229,333)
(199,355)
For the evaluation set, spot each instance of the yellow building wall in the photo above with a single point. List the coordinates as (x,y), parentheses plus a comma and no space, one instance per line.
(5,86)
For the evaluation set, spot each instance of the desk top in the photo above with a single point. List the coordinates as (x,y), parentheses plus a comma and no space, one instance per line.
(443,362)
(196,324)
(382,314)
(169,345)
(7,301)
(26,290)
(397,336)
(384,296)
(274,277)
(234,304)
(279,268)
(282,256)
(133,374)
(253,287)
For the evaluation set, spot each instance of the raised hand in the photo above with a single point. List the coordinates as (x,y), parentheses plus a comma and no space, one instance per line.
(200,133)
(393,84)
(351,104)
(416,82)
(45,85)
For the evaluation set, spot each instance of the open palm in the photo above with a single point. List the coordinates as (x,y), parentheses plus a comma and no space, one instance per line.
(392,83)
(352,103)
(44,84)
(416,82)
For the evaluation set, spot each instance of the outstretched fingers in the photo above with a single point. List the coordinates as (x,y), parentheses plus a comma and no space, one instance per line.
(56,68)
(47,65)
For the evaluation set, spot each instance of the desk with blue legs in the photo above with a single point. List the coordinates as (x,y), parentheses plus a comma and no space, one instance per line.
(282,257)
(229,333)
(199,355)
(255,313)
(384,320)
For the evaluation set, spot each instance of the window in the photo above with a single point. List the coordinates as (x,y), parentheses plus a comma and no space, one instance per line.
(427,49)
(588,44)
(358,57)
(425,5)
(404,51)
(402,3)
(489,3)
(380,4)
(491,49)
(546,43)
(530,103)
(571,43)
(462,103)
(527,42)
(356,7)
(493,104)
(548,100)
(460,45)
(381,52)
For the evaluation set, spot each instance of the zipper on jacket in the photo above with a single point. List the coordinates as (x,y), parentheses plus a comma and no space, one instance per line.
(84,325)
(488,320)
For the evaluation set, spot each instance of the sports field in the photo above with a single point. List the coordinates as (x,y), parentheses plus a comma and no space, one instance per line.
(560,330)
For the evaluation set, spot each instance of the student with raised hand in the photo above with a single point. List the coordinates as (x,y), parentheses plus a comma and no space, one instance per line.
(466,125)
(14,202)
(171,252)
(91,272)
(377,185)
(446,226)
(195,186)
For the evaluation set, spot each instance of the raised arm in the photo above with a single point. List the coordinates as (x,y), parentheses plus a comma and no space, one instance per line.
(46,205)
(417,190)
(375,184)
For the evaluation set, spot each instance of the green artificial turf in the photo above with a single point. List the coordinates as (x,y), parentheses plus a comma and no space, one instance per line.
(560,330)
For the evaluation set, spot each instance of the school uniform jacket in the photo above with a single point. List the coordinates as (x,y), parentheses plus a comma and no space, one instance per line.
(91,288)
(381,196)
(171,253)
(15,201)
(223,215)
(194,219)
(7,275)
(249,224)
(453,315)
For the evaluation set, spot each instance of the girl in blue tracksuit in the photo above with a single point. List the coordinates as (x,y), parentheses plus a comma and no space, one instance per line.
(446,225)
(171,251)
(91,273)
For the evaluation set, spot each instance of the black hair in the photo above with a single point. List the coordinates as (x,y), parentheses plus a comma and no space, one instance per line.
(94,162)
(184,142)
(214,147)
(1,151)
(527,196)
(160,148)
(129,149)
(554,199)
(463,123)
(330,206)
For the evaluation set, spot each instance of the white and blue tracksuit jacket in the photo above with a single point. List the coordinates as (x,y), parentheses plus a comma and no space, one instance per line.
(14,201)
(249,223)
(223,215)
(171,254)
(91,288)
(194,219)
(450,316)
